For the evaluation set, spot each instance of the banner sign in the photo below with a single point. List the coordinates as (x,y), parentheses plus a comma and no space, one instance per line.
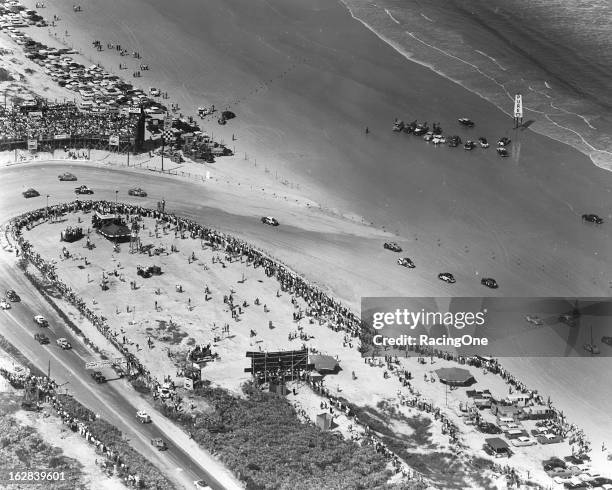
(518,105)
(105,363)
(35,114)
(134,110)
(113,140)
(63,136)
(188,384)
(32,144)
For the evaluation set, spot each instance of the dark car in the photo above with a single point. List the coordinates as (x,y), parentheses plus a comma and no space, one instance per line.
(469,145)
(41,338)
(446,277)
(501,151)
(98,377)
(503,141)
(464,121)
(12,296)
(67,176)
(406,262)
(483,142)
(137,191)
(159,444)
(454,141)
(83,190)
(394,247)
(489,282)
(30,193)
(269,220)
(489,428)
(592,218)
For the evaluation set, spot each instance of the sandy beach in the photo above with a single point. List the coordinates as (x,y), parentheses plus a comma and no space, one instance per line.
(303,97)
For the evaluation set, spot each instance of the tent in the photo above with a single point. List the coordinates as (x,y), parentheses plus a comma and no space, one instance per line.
(455,376)
(116,232)
(323,363)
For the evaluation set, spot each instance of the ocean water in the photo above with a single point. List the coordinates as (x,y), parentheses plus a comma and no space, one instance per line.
(556,53)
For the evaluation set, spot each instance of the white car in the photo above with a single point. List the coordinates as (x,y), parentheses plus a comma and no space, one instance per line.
(63,343)
(5,305)
(41,320)
(536,320)
(523,441)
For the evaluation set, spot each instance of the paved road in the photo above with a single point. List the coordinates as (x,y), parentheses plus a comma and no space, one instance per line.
(109,399)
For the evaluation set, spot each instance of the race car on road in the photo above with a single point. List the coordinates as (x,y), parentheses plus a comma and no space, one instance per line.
(446,277)
(41,338)
(406,262)
(489,282)
(41,321)
(201,485)
(67,176)
(83,190)
(269,220)
(137,191)
(12,296)
(394,247)
(63,343)
(30,193)
(535,320)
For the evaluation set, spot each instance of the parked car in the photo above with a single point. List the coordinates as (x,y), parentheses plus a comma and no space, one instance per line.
(30,193)
(549,439)
(67,176)
(269,220)
(41,321)
(5,305)
(137,191)
(63,343)
(523,441)
(41,338)
(98,377)
(12,296)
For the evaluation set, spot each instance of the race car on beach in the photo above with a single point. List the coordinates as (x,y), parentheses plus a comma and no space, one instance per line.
(269,220)
(30,193)
(489,282)
(137,191)
(592,218)
(483,142)
(503,141)
(469,145)
(41,321)
(406,262)
(535,320)
(394,247)
(454,141)
(41,338)
(66,176)
(63,343)
(446,277)
(501,151)
(5,305)
(83,190)
(12,296)
(464,121)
